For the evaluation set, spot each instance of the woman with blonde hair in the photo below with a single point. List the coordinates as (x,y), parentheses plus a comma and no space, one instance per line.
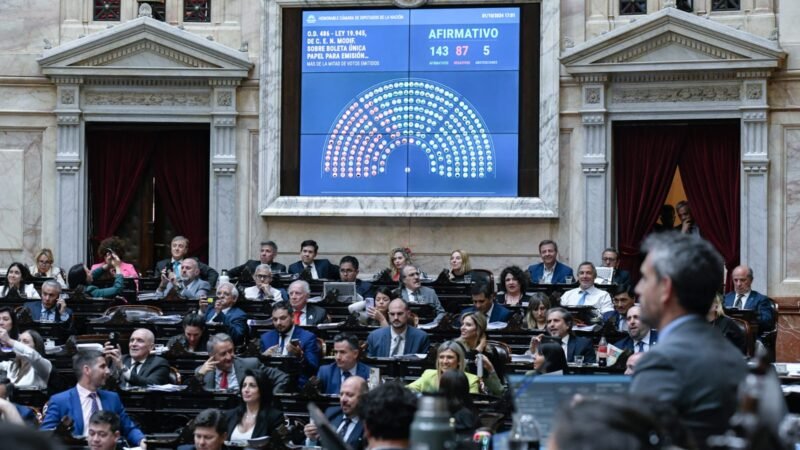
(459,265)
(451,356)
(44,267)
(475,341)
(536,314)
(399,257)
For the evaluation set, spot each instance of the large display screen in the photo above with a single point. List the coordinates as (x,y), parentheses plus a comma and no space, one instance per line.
(410,102)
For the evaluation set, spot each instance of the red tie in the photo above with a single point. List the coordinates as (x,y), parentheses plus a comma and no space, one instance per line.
(223,381)
(297,315)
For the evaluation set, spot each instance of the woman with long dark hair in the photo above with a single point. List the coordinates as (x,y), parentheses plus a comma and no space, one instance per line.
(17,276)
(29,368)
(255,416)
(455,388)
(549,359)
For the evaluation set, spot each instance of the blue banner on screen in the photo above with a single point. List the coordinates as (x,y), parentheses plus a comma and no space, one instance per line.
(410,102)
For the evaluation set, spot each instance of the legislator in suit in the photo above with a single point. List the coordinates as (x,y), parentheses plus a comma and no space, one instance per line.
(282,337)
(68,403)
(754,301)
(40,313)
(322,267)
(330,376)
(648,341)
(153,370)
(560,273)
(233,319)
(380,342)
(279,379)
(207,273)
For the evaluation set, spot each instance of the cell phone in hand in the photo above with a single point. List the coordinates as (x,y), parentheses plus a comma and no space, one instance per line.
(479,365)
(295,342)
(370,302)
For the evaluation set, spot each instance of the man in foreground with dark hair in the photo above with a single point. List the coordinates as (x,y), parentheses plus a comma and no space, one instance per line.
(387,413)
(210,431)
(86,398)
(693,368)
(103,431)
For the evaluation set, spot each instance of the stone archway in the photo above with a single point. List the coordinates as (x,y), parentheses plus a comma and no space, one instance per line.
(145,71)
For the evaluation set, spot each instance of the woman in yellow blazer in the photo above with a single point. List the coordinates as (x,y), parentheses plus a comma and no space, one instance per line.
(449,356)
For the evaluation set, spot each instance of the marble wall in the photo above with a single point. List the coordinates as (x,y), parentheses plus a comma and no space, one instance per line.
(791,161)
(21,203)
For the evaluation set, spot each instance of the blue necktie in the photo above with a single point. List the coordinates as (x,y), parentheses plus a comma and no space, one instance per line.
(94,407)
(641,347)
(582,300)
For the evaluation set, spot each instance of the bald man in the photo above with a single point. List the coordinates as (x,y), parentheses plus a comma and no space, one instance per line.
(744,297)
(139,367)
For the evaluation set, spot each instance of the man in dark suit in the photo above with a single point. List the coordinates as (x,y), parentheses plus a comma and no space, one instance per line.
(624,298)
(387,412)
(139,367)
(302,312)
(269,250)
(687,225)
(318,268)
(348,271)
(225,312)
(414,292)
(397,339)
(743,297)
(86,398)
(344,418)
(179,248)
(610,258)
(187,283)
(559,324)
(549,271)
(483,302)
(51,308)
(693,369)
(346,352)
(224,371)
(640,337)
(288,339)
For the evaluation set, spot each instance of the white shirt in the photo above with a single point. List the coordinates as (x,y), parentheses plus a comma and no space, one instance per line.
(645,343)
(238,436)
(594,297)
(28,291)
(86,406)
(289,334)
(313,268)
(350,427)
(251,293)
(401,349)
(565,346)
(547,275)
(744,299)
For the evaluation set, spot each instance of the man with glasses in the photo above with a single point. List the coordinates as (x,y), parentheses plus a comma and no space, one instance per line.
(262,290)
(225,312)
(348,271)
(414,292)
(611,259)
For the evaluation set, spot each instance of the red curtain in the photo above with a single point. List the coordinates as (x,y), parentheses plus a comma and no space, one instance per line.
(710,172)
(116,167)
(645,160)
(182,180)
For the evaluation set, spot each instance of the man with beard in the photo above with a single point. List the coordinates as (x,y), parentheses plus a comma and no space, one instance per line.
(640,337)
(344,418)
(693,369)
(399,338)
(287,339)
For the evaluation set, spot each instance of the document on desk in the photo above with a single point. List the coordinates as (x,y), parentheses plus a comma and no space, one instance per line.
(166,387)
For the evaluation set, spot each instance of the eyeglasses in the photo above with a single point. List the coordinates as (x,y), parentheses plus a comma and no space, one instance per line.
(263,277)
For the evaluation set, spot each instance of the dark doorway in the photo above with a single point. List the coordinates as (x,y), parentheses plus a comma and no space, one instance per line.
(148,183)
(702,156)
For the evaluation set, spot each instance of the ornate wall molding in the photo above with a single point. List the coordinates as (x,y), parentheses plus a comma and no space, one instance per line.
(661,77)
(224,168)
(149,82)
(756,167)
(68,167)
(224,98)
(68,96)
(594,168)
(593,119)
(140,47)
(666,39)
(58,80)
(68,119)
(147,99)
(676,94)
(592,95)
(754,116)
(754,91)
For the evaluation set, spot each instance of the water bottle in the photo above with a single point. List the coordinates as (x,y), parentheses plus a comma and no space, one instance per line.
(432,428)
(223,278)
(602,352)
(524,432)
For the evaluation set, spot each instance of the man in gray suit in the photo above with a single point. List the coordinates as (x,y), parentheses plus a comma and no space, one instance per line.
(414,292)
(224,371)
(188,285)
(693,368)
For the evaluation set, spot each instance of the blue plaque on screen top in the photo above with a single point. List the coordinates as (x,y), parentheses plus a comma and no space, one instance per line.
(421,102)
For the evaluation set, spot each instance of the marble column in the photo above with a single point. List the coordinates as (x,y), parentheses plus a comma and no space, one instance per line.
(754,181)
(72,228)
(594,166)
(223,210)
